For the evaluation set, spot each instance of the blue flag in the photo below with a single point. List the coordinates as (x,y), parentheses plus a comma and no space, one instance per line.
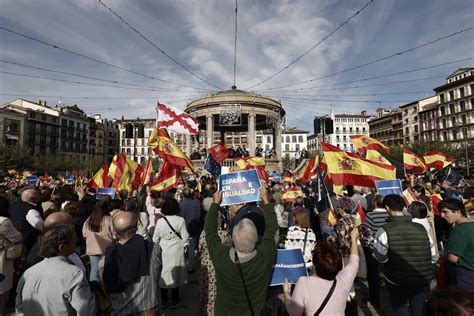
(212,166)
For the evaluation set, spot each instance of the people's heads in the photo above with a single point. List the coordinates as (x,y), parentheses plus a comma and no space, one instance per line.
(378,201)
(327,260)
(450,302)
(125,224)
(394,203)
(346,204)
(170,207)
(123,194)
(418,209)
(469,192)
(301,218)
(419,190)
(58,240)
(58,218)
(115,205)
(4,206)
(187,193)
(299,202)
(452,210)
(30,195)
(156,199)
(235,208)
(244,236)
(71,208)
(130,205)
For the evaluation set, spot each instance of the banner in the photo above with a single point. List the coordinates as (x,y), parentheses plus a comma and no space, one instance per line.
(32,180)
(386,187)
(239,187)
(101,192)
(289,264)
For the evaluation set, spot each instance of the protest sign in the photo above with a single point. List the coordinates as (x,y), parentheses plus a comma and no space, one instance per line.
(289,264)
(32,180)
(71,180)
(239,187)
(101,192)
(386,187)
(275,177)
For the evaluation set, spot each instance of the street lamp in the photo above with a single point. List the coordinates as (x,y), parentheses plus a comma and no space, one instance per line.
(458,126)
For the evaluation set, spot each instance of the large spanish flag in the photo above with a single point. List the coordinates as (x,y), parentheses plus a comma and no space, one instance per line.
(127,174)
(290,194)
(350,169)
(413,162)
(362,143)
(437,160)
(147,174)
(374,155)
(167,178)
(162,144)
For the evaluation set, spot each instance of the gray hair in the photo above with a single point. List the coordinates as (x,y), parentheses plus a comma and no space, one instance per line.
(244,236)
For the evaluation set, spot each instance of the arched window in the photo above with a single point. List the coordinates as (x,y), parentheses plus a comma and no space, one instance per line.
(287,139)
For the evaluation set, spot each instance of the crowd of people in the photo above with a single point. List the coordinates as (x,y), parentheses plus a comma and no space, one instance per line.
(65,252)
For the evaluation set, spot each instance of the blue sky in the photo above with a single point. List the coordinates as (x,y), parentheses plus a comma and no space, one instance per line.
(200,36)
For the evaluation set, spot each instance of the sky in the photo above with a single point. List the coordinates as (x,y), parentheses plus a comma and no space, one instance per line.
(297,51)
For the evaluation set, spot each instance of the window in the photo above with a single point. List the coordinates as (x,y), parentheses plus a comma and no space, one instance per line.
(441,98)
(363,130)
(293,139)
(344,130)
(461,92)
(337,130)
(463,119)
(443,123)
(269,139)
(443,110)
(453,121)
(472,88)
(462,106)
(416,128)
(300,139)
(350,130)
(407,130)
(287,147)
(451,108)
(287,139)
(357,130)
(297,147)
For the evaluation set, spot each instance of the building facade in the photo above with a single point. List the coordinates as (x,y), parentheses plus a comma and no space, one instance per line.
(455,106)
(74,136)
(12,128)
(387,127)
(134,134)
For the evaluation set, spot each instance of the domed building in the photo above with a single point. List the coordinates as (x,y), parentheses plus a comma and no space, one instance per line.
(237,117)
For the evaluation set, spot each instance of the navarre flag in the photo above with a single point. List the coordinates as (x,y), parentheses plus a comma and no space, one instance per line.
(350,169)
(162,144)
(374,155)
(212,166)
(257,163)
(147,174)
(167,178)
(362,143)
(219,152)
(177,121)
(437,160)
(101,178)
(290,194)
(412,161)
(310,171)
(359,216)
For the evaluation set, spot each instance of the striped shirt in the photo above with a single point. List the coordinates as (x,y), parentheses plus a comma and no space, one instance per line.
(373,221)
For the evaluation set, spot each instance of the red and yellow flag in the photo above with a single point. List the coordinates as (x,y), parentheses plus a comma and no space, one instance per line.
(147,174)
(347,168)
(101,178)
(362,143)
(409,196)
(374,155)
(167,178)
(332,218)
(437,160)
(219,152)
(127,174)
(360,216)
(257,163)
(290,194)
(435,199)
(469,205)
(310,171)
(413,162)
(162,144)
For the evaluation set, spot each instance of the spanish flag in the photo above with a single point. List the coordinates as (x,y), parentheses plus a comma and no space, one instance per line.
(113,166)
(310,171)
(409,196)
(101,178)
(147,174)
(437,160)
(362,143)
(127,174)
(359,216)
(162,144)
(257,163)
(167,178)
(289,179)
(374,155)
(435,199)
(290,194)
(350,169)
(413,162)
(332,218)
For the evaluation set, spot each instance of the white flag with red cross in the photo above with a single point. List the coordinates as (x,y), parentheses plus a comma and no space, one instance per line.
(176,120)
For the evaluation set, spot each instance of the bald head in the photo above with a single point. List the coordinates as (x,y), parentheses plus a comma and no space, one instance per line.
(30,195)
(125,224)
(58,218)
